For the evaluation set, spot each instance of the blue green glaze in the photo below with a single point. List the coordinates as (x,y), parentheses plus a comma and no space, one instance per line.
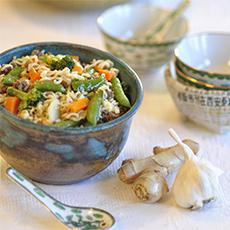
(65,150)
(57,155)
(11,137)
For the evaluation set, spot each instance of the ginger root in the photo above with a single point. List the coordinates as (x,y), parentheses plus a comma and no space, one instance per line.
(150,187)
(148,174)
(165,161)
(176,149)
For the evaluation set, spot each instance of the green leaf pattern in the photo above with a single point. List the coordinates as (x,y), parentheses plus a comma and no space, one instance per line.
(82,218)
(139,56)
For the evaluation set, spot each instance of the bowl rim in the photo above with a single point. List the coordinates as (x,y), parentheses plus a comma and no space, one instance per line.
(139,44)
(169,75)
(198,82)
(200,34)
(78,130)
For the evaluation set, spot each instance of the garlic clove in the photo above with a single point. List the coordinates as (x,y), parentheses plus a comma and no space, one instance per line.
(195,185)
(197,182)
(206,165)
(150,187)
(188,153)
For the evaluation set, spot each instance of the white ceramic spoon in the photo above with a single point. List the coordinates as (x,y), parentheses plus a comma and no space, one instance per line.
(82,218)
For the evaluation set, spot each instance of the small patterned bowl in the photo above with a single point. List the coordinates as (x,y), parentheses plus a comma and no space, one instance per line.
(208,108)
(121,23)
(208,58)
(66,155)
(195,81)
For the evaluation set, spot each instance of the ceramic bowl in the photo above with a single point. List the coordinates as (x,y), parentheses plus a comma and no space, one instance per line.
(121,23)
(207,108)
(205,57)
(195,81)
(61,156)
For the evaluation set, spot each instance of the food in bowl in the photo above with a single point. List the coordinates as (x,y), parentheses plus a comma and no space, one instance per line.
(55,155)
(61,90)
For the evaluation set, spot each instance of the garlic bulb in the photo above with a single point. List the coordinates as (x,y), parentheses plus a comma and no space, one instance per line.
(196,182)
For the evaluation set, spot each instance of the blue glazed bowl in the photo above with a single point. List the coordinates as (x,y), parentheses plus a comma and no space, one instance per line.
(55,155)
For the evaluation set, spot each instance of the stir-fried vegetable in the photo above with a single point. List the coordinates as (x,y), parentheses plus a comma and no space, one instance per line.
(30,98)
(94,108)
(12,76)
(53,111)
(66,61)
(78,69)
(88,85)
(34,95)
(15,92)
(108,74)
(119,93)
(66,123)
(78,105)
(34,75)
(48,58)
(11,104)
(61,91)
(48,85)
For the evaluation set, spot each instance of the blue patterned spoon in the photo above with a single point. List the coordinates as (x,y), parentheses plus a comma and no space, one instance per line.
(82,218)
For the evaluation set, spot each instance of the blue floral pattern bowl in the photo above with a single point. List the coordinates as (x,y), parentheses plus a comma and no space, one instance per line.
(55,155)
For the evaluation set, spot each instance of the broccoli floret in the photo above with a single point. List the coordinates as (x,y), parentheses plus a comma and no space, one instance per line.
(16,92)
(23,105)
(30,98)
(12,76)
(34,96)
(46,58)
(66,61)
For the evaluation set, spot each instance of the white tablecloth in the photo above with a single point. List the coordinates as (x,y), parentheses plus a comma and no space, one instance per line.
(24,21)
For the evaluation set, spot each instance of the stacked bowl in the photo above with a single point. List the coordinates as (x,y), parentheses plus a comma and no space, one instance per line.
(199,79)
(124,27)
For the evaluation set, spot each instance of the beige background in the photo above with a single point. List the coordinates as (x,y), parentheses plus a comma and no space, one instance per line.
(25,21)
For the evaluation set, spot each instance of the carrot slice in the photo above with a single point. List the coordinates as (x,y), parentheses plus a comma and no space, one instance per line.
(78,69)
(11,104)
(76,58)
(108,74)
(78,105)
(34,75)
